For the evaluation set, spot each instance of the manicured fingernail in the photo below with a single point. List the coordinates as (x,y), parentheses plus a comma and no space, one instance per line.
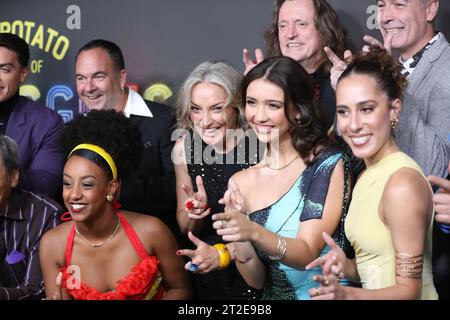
(178,253)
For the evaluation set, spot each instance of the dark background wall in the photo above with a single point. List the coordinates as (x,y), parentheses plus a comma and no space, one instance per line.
(162,40)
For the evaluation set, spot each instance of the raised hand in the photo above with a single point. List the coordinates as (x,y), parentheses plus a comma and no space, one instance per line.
(203,259)
(333,262)
(371,41)
(441,198)
(234,223)
(339,65)
(249,62)
(196,204)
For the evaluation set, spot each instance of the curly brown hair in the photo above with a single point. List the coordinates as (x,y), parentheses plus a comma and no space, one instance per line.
(379,64)
(327,24)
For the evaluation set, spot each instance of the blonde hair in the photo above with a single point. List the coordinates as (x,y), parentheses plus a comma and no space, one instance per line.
(219,73)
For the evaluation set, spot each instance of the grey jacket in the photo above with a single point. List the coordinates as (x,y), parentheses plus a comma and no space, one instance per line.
(424,125)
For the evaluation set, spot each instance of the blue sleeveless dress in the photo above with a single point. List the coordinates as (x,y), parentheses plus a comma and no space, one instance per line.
(304,200)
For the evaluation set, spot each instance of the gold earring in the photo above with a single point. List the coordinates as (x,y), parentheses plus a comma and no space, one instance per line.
(109,198)
(394,123)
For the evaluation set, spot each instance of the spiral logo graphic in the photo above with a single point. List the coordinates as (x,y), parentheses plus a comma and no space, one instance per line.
(158,92)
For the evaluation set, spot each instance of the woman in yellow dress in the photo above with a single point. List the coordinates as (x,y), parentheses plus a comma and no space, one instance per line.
(390,218)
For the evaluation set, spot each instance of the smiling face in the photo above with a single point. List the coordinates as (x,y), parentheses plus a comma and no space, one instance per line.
(363,114)
(410,23)
(209,114)
(99,84)
(264,111)
(297,34)
(12,74)
(85,187)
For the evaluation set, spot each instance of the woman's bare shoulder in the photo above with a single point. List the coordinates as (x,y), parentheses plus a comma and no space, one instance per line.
(59,232)
(247,175)
(54,240)
(142,223)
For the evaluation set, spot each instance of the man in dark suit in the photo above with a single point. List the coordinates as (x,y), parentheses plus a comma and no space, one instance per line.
(100,81)
(34,127)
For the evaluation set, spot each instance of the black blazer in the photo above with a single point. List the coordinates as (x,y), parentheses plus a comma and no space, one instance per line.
(151,189)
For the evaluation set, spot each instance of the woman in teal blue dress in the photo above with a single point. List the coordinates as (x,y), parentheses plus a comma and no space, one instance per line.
(277,210)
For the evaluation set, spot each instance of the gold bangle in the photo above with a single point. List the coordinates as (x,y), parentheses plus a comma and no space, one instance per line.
(224,255)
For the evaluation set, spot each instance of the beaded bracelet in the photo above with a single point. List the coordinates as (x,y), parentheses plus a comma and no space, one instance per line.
(224,255)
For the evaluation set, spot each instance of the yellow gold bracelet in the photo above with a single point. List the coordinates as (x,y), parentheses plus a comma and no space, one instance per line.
(224,255)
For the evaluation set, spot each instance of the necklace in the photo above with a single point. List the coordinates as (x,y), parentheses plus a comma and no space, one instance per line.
(101,243)
(285,166)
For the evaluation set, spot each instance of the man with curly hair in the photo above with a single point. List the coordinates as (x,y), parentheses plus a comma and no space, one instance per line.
(300,29)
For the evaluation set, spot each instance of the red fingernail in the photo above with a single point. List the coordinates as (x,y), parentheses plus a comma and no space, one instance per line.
(178,253)
(189,205)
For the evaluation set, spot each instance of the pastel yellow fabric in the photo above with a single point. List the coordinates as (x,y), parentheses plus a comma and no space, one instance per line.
(101,152)
(369,236)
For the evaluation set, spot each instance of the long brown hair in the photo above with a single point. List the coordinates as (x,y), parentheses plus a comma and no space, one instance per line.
(309,131)
(327,24)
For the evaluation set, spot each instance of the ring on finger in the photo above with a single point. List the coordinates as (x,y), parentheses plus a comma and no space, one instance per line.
(326,282)
(316,292)
(193,267)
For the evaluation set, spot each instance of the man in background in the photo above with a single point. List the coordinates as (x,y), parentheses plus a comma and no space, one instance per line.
(34,127)
(100,82)
(24,218)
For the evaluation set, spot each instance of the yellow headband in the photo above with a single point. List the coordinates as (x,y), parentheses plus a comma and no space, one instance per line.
(101,152)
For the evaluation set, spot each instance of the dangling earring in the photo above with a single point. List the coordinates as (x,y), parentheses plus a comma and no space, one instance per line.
(394,123)
(109,198)
(297,118)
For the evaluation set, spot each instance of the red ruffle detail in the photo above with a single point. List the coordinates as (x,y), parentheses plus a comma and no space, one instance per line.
(134,286)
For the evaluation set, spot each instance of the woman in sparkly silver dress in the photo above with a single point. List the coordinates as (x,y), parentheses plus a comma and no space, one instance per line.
(211,148)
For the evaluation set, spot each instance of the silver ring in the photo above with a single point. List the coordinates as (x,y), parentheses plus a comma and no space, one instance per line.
(193,267)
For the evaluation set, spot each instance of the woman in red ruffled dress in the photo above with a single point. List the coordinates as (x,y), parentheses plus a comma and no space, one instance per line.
(102,252)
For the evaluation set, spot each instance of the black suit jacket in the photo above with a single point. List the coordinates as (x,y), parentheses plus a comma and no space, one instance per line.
(151,189)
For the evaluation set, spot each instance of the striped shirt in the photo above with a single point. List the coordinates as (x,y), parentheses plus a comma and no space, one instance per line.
(23,220)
